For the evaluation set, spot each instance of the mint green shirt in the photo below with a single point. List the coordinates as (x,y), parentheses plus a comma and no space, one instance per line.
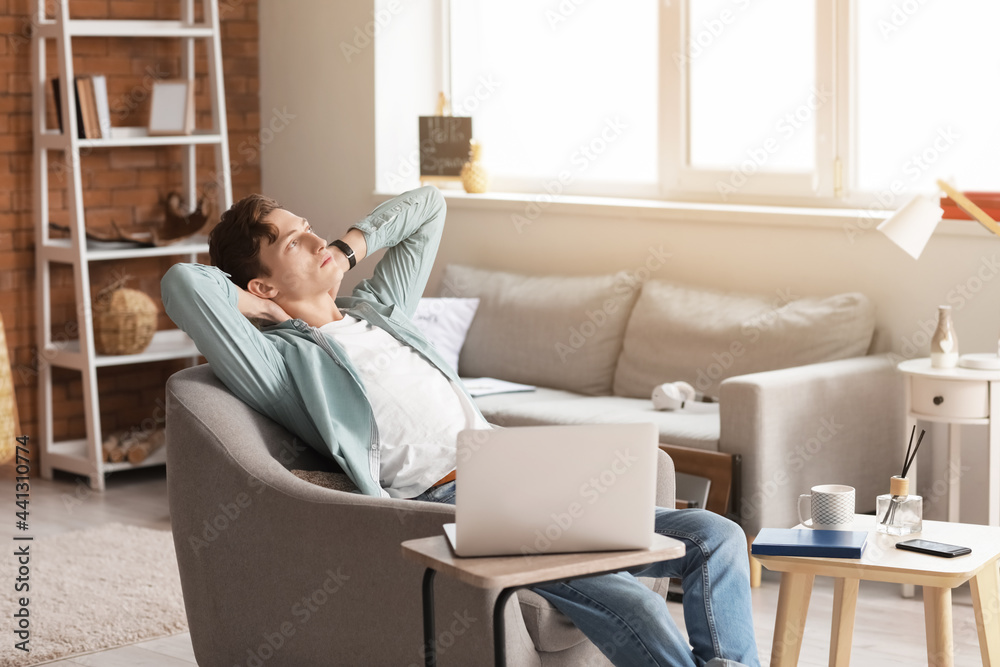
(298,376)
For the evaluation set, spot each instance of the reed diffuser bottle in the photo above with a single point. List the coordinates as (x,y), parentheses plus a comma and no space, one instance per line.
(898,512)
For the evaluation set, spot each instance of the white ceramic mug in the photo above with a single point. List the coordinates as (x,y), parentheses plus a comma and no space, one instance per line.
(831,507)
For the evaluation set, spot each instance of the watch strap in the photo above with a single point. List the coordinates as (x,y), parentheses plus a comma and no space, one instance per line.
(348,251)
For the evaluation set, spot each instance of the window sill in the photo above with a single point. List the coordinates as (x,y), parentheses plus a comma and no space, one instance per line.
(532,206)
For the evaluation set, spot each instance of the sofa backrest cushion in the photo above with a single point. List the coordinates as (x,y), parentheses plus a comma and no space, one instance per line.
(704,336)
(563,332)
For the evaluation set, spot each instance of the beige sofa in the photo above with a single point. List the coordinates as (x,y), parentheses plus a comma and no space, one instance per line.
(800,400)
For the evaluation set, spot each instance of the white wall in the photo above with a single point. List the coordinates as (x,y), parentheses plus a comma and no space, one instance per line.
(323,166)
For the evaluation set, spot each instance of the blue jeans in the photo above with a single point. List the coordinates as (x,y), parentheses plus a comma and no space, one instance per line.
(630,624)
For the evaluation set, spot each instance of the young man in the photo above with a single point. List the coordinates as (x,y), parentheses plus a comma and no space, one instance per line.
(353,377)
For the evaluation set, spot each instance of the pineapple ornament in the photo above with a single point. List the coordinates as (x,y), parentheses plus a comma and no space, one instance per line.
(474,176)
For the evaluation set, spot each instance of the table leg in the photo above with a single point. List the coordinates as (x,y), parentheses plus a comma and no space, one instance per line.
(845,601)
(954,470)
(937,620)
(986,601)
(908,590)
(793,604)
(430,650)
(993,462)
(499,632)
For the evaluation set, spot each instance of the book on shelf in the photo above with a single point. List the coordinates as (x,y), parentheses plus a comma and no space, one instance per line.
(100,83)
(809,542)
(93,115)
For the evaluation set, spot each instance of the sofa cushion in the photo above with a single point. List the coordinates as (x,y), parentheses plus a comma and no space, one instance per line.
(704,336)
(550,331)
(697,425)
(445,323)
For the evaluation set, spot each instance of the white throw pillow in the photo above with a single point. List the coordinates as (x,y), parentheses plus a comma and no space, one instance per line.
(445,322)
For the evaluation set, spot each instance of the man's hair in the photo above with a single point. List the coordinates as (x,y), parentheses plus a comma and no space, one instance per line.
(234,243)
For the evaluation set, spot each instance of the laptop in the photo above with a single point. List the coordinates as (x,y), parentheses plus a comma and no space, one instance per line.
(553,489)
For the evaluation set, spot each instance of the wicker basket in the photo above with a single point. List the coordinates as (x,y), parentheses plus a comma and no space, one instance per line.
(124,320)
(9,427)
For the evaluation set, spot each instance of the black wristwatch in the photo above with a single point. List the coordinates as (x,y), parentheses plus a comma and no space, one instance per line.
(347,251)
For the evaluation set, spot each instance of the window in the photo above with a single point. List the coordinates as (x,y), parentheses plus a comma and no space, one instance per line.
(811,102)
(560,95)
(926,101)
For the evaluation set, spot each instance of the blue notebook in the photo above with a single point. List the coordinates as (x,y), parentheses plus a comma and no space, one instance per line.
(808,542)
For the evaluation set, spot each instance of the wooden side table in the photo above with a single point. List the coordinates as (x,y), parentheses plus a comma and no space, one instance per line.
(881,561)
(956,396)
(513,572)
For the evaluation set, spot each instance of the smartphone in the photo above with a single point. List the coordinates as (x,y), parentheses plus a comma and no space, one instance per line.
(934,548)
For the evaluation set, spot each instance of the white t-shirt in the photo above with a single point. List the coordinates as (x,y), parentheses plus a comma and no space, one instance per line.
(418,410)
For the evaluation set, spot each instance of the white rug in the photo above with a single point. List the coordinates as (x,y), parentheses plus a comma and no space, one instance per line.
(91,590)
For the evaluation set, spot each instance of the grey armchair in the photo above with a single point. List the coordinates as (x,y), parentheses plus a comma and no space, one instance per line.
(278,571)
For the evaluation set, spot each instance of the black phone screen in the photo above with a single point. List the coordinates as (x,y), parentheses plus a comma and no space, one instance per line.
(934,548)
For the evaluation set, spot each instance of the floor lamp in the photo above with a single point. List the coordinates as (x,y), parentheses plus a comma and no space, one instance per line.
(911,227)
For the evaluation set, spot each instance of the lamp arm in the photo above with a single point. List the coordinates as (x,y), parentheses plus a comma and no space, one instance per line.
(964,203)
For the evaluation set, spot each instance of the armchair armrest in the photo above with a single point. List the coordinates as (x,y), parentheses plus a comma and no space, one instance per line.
(834,422)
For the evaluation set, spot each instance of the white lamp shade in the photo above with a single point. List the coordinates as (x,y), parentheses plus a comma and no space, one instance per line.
(911,226)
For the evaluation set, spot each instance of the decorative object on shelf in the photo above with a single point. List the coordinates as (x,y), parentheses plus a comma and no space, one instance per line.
(171,107)
(475,179)
(944,343)
(911,226)
(133,446)
(180,223)
(900,512)
(124,319)
(9,426)
(177,226)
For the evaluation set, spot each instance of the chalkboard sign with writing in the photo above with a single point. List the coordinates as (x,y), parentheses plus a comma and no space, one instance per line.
(444,144)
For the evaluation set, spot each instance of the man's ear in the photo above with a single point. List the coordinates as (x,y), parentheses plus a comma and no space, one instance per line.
(258,287)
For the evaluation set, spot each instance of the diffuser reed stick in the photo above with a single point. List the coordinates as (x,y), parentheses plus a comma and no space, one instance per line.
(911,455)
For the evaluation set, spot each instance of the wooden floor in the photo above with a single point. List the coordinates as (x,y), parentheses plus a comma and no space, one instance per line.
(889,630)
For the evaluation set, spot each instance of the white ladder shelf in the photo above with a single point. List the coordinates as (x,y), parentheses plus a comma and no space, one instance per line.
(84,457)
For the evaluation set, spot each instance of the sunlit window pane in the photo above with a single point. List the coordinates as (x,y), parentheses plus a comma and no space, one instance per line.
(752,84)
(559,88)
(927,94)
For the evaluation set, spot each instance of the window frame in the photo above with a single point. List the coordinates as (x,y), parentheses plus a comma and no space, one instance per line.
(832,183)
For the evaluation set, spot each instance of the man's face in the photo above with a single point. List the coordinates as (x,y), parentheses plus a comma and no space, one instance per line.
(301,265)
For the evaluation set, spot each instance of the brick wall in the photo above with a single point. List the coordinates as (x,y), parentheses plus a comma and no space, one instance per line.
(126,185)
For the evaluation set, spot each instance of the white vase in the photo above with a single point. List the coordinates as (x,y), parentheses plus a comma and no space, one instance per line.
(944,344)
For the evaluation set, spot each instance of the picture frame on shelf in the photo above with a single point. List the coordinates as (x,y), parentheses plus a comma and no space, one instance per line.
(171,107)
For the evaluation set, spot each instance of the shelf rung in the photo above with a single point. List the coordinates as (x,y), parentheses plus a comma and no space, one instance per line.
(124,28)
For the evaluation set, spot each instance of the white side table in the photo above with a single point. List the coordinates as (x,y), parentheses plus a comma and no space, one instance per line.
(956,396)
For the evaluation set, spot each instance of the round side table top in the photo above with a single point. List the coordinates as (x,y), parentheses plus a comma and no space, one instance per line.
(923,367)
